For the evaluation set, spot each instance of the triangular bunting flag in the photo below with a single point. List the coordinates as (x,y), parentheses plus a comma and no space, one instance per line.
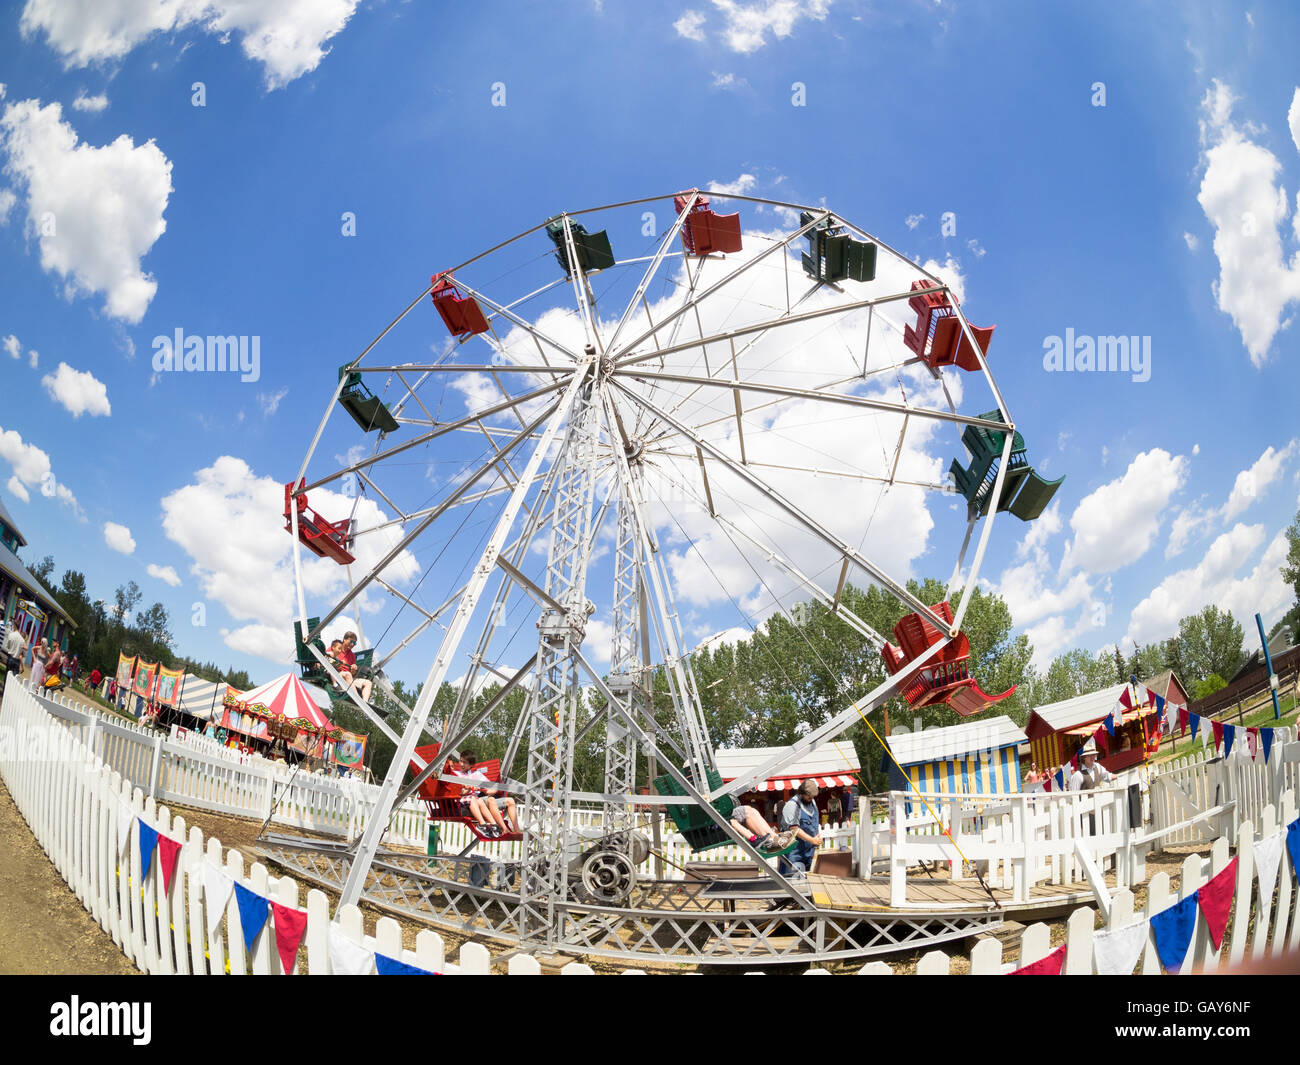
(1216,901)
(1229,737)
(1110,723)
(1060,779)
(1116,952)
(392,967)
(1268,856)
(148,840)
(290,924)
(1047,783)
(1293,842)
(1160,706)
(1194,723)
(168,850)
(1182,719)
(1266,738)
(1048,966)
(1173,931)
(1126,700)
(348,958)
(1252,743)
(125,818)
(253,911)
(1216,727)
(217,886)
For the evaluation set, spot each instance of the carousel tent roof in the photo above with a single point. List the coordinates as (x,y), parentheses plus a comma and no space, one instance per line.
(290,697)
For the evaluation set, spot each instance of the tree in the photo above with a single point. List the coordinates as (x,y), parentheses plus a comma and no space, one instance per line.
(125,600)
(1210,642)
(1208,686)
(43,570)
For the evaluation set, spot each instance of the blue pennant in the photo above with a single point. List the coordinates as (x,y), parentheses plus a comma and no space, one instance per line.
(1110,723)
(1229,736)
(1060,779)
(1194,724)
(1173,930)
(1293,842)
(1160,707)
(392,967)
(1266,738)
(148,840)
(253,911)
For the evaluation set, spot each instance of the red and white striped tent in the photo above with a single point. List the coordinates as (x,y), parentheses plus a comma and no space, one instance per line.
(834,765)
(289,697)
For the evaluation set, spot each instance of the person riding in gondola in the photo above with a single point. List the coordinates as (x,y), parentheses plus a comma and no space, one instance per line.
(480,802)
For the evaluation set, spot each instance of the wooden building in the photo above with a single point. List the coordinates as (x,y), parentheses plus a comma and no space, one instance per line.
(24,601)
(1057,730)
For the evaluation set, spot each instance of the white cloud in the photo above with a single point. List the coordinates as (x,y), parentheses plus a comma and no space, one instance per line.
(12,347)
(1241,200)
(7,201)
(747,25)
(739,187)
(32,358)
(272,642)
(166,574)
(913,220)
(690,26)
(285,36)
(95,212)
(118,537)
(270,402)
(1251,484)
(729,82)
(17,488)
(1192,241)
(78,391)
(93,104)
(1214,580)
(1116,524)
(31,468)
(231,524)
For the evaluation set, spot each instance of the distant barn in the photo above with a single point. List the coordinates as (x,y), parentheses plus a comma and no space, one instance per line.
(1057,730)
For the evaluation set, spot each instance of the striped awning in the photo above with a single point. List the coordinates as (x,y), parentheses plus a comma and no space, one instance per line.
(833,780)
(1132,715)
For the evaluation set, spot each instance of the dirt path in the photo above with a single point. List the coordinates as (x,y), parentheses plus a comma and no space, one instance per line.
(44,929)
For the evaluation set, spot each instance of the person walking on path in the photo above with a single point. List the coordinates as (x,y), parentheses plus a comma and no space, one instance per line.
(39,654)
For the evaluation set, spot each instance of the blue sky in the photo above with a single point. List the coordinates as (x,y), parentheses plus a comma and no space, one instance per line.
(1110,171)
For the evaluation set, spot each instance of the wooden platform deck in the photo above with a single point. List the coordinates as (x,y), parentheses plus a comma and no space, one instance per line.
(943,895)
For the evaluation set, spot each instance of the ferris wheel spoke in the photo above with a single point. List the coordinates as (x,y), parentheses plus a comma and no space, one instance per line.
(777,246)
(461,490)
(771,553)
(652,270)
(798,514)
(783,319)
(441,430)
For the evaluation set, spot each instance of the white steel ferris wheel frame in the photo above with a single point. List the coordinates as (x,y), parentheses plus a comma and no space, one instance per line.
(588,398)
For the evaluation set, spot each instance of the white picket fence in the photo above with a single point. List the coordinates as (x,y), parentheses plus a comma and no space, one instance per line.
(1265,917)
(199,773)
(86,817)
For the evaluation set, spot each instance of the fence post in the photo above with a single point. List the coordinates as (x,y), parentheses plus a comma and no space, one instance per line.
(154,766)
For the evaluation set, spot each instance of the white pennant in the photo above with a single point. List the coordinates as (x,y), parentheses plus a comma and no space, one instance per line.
(1268,856)
(348,958)
(217,885)
(1117,951)
(125,816)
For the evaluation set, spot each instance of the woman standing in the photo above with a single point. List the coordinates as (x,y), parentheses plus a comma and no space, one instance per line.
(39,654)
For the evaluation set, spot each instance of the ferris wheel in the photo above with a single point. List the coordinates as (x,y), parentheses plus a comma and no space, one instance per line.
(601,456)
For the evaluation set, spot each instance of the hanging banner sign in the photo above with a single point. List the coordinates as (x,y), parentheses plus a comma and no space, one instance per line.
(145,675)
(169,686)
(125,670)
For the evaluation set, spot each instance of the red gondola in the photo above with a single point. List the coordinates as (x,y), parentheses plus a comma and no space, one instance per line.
(329,539)
(937,337)
(460,312)
(443,799)
(704,231)
(945,677)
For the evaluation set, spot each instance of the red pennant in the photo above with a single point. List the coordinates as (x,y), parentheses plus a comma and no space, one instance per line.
(1182,719)
(290,925)
(1216,900)
(168,851)
(1102,739)
(1049,966)
(1217,728)
(1252,742)
(1126,699)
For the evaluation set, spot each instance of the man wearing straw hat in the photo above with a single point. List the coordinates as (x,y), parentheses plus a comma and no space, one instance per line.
(1091,773)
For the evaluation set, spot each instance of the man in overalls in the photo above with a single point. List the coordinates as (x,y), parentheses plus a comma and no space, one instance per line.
(800,814)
